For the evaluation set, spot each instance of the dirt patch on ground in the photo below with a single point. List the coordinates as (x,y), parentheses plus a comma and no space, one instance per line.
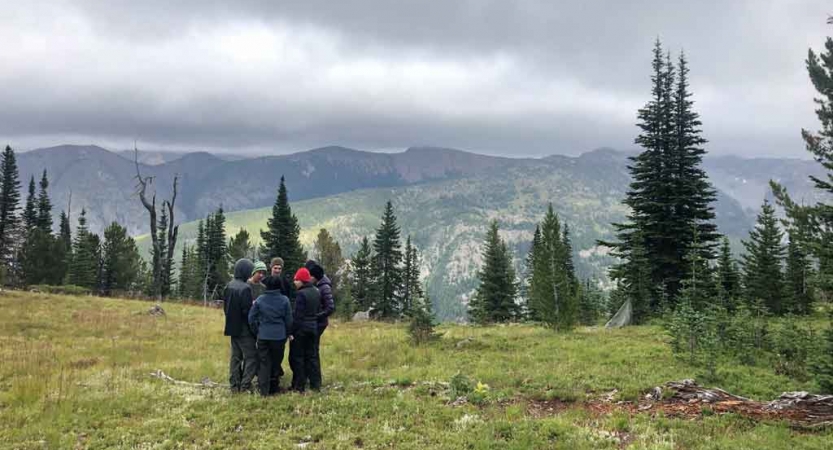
(687,400)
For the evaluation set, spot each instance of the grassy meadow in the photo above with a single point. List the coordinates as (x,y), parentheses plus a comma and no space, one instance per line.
(76,371)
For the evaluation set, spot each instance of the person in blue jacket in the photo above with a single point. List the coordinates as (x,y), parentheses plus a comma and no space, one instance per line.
(270,319)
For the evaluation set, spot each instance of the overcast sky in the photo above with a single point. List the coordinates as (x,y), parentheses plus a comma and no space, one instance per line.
(517,78)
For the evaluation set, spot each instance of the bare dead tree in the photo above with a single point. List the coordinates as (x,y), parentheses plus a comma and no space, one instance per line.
(159,260)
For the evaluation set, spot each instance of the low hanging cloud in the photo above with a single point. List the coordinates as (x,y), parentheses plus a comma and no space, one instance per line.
(515,78)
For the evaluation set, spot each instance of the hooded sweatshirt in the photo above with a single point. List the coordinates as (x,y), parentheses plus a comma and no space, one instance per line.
(238,300)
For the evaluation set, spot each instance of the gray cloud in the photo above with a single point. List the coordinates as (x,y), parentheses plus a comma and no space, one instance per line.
(514,78)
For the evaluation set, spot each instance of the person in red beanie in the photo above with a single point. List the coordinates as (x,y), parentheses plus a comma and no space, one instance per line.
(304,333)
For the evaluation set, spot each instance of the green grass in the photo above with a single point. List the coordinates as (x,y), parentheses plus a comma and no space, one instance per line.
(75,374)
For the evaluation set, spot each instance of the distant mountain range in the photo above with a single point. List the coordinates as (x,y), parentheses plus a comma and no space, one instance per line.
(103,182)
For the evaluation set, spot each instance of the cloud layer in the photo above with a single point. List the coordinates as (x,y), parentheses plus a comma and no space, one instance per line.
(513,78)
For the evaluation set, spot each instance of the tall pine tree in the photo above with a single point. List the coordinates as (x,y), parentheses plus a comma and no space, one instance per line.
(282,238)
(166,274)
(44,205)
(412,286)
(798,275)
(85,264)
(669,194)
(728,276)
(362,275)
(120,260)
(494,299)
(9,198)
(553,295)
(30,211)
(387,266)
(762,262)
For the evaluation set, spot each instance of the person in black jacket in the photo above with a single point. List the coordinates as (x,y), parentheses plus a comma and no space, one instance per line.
(270,318)
(304,333)
(237,298)
(325,287)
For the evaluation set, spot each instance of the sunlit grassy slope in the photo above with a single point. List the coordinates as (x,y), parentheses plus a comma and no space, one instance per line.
(75,374)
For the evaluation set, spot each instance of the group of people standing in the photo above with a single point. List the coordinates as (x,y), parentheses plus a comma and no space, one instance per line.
(264,311)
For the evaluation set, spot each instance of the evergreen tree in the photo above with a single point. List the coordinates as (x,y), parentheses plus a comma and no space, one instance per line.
(85,265)
(65,231)
(553,296)
(728,276)
(669,195)
(44,205)
(387,266)
(411,286)
(63,249)
(362,273)
(30,212)
(40,261)
(120,260)
(217,251)
(422,323)
(590,303)
(9,198)
(240,246)
(282,238)
(799,272)
(763,277)
(494,299)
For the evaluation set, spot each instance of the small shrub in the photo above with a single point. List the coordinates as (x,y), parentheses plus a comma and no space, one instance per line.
(460,386)
(421,326)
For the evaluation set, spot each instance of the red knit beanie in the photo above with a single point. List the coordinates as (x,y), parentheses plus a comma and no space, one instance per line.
(303,275)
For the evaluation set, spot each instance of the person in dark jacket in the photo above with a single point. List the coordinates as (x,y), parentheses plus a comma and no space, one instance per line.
(325,287)
(304,333)
(237,298)
(271,319)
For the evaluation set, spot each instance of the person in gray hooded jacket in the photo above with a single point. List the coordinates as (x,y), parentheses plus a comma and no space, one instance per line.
(237,298)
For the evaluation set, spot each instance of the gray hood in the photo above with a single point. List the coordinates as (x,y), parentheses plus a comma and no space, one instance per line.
(243,269)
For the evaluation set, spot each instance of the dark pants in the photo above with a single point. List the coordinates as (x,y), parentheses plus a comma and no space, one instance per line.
(243,365)
(304,362)
(317,350)
(270,371)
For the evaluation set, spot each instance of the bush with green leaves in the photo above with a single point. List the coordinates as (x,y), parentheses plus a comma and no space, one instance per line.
(421,325)
(793,345)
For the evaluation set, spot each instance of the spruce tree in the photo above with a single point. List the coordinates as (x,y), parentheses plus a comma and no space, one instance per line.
(240,246)
(65,231)
(553,295)
(728,276)
(494,299)
(30,212)
(282,238)
(9,198)
(590,303)
(763,276)
(166,274)
(39,260)
(411,286)
(387,266)
(44,205)
(362,273)
(85,265)
(120,260)
(669,194)
(217,251)
(798,275)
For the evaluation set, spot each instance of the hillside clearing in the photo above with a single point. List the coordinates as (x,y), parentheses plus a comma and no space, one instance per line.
(76,373)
